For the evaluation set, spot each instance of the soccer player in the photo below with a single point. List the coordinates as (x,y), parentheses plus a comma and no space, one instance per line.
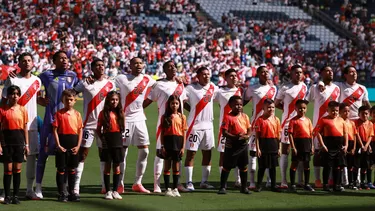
(200,134)
(236,128)
(13,119)
(333,138)
(352,160)
(321,94)
(67,130)
(300,135)
(365,135)
(134,88)
(160,93)
(94,94)
(258,93)
(55,82)
(223,97)
(30,89)
(286,99)
(267,141)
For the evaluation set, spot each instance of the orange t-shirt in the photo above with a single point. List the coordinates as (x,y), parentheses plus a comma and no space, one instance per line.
(236,124)
(268,127)
(352,129)
(332,127)
(113,122)
(365,129)
(177,127)
(67,123)
(13,118)
(300,127)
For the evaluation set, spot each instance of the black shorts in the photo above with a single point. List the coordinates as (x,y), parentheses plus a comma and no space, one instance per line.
(333,159)
(172,155)
(235,158)
(268,160)
(365,160)
(352,161)
(301,157)
(13,154)
(113,154)
(66,159)
(317,160)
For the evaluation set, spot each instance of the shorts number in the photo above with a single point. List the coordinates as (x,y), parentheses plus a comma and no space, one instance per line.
(222,140)
(126,134)
(286,134)
(86,135)
(193,138)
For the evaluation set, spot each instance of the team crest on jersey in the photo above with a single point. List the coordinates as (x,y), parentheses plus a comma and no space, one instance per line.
(69,79)
(207,98)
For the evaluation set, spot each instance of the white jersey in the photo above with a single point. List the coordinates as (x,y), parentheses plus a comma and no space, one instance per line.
(93,100)
(195,92)
(353,95)
(136,89)
(258,93)
(29,86)
(222,97)
(321,100)
(289,94)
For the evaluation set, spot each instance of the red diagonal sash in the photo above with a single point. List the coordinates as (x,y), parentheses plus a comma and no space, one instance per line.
(353,97)
(258,108)
(30,92)
(178,91)
(292,105)
(136,92)
(97,99)
(200,106)
(323,108)
(227,110)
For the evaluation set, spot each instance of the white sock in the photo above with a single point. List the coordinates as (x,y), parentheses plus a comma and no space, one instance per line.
(158,168)
(359,175)
(317,172)
(123,168)
(252,168)
(283,167)
(30,171)
(345,176)
(206,170)
(189,173)
(102,164)
(237,178)
(141,165)
(79,171)
(268,176)
(300,170)
(220,169)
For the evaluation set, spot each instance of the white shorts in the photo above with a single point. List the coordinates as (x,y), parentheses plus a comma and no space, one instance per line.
(136,134)
(221,144)
(34,142)
(200,139)
(285,135)
(88,138)
(252,142)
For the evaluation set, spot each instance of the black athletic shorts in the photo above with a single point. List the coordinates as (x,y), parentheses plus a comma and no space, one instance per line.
(333,159)
(301,157)
(268,160)
(113,154)
(172,155)
(64,160)
(235,157)
(13,154)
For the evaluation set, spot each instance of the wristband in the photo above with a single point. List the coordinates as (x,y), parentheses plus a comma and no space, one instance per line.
(26,145)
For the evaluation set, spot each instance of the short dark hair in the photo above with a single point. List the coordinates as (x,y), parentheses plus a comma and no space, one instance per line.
(346,69)
(93,63)
(68,93)
(201,69)
(234,98)
(372,109)
(134,58)
(301,101)
(23,55)
(324,67)
(333,104)
(364,108)
(165,65)
(260,68)
(229,71)
(55,55)
(294,67)
(13,88)
(268,101)
(342,106)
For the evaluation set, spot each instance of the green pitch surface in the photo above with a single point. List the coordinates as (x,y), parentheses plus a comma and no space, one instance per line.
(91,199)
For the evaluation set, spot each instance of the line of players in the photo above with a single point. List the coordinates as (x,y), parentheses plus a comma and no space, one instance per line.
(138,91)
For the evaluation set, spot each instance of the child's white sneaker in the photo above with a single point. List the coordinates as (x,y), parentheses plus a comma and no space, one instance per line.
(176,193)
(169,192)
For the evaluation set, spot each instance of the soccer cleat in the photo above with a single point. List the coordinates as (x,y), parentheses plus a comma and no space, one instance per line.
(338,188)
(353,187)
(318,183)
(1,198)
(30,195)
(330,182)
(74,197)
(308,188)
(7,200)
(222,191)
(283,186)
(176,193)
(364,186)
(245,191)
(62,198)
(258,188)
(268,184)
(293,189)
(103,191)
(139,188)
(108,195)
(181,188)
(169,193)
(206,185)
(120,189)
(370,185)
(190,186)
(38,193)
(326,188)
(157,188)
(252,186)
(116,195)
(237,185)
(276,189)
(299,185)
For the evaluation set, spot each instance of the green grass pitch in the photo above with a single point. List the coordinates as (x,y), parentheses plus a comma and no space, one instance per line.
(198,200)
